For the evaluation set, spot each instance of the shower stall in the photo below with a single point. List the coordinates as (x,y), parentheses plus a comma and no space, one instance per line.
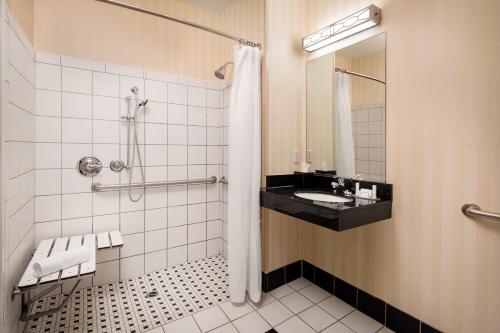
(112,147)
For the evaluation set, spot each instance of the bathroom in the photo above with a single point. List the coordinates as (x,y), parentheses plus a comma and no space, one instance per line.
(250,166)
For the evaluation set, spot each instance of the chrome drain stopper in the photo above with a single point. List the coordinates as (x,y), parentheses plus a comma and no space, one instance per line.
(152,293)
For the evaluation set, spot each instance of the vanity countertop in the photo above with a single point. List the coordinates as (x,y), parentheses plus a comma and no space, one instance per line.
(279,196)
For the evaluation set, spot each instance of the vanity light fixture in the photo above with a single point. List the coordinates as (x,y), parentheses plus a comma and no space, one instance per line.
(361,20)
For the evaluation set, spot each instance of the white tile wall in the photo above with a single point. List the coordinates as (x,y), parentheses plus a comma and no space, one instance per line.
(18,135)
(155,261)
(80,103)
(368,124)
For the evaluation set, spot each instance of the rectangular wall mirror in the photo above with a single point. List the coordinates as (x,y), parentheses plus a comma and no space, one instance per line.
(346,111)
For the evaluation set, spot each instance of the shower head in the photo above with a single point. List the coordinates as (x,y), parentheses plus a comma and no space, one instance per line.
(143,102)
(220,73)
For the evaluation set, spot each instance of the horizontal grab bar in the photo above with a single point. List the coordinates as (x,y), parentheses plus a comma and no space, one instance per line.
(473,210)
(223,180)
(98,187)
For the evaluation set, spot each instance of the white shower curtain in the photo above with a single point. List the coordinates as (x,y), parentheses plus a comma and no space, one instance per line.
(344,149)
(244,260)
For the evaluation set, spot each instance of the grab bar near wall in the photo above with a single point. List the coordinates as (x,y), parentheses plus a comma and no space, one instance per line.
(98,187)
(223,180)
(473,210)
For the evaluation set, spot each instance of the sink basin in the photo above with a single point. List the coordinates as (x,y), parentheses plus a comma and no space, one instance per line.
(321,197)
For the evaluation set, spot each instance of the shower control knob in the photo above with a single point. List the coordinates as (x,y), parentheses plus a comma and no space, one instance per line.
(89,166)
(116,165)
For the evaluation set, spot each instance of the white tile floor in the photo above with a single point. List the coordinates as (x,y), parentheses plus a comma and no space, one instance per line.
(299,307)
(193,299)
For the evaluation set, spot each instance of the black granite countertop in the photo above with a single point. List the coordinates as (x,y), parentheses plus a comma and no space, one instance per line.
(279,196)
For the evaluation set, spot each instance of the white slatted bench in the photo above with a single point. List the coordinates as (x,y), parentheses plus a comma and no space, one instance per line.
(49,247)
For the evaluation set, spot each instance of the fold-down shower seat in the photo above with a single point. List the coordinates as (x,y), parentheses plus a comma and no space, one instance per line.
(48,247)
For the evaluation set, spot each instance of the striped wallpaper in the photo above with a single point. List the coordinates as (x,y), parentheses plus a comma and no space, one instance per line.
(443,143)
(443,150)
(93,30)
(23,10)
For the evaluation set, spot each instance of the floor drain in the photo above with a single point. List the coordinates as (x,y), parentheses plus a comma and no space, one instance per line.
(152,293)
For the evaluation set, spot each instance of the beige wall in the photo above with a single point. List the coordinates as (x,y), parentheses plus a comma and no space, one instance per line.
(93,30)
(443,149)
(443,146)
(368,92)
(284,86)
(23,10)
(320,112)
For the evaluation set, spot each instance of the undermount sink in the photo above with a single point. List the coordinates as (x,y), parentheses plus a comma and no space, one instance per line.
(309,197)
(321,197)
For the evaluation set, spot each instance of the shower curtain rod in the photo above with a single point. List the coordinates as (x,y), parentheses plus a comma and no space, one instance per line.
(194,25)
(358,74)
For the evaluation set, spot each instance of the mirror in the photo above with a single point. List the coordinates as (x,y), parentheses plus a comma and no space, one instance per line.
(346,111)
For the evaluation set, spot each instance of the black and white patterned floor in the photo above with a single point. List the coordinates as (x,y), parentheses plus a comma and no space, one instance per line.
(124,306)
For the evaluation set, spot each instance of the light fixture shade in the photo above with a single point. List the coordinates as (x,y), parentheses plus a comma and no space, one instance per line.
(350,25)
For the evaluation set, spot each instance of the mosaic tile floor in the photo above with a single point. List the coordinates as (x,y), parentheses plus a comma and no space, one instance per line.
(124,306)
(193,298)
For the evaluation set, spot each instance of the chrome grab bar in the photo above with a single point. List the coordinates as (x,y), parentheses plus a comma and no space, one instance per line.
(223,180)
(98,187)
(473,210)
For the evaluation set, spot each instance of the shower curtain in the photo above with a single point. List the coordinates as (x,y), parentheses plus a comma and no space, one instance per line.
(344,140)
(244,258)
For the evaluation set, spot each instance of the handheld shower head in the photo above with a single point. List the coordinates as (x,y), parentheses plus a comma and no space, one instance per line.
(220,73)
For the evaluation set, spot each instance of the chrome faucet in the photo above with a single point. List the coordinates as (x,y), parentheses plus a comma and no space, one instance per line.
(341,186)
(339,183)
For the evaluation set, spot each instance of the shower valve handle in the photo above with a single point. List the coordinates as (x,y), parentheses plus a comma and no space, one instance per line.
(92,166)
(89,166)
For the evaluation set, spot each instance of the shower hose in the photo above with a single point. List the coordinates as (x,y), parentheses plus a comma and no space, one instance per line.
(135,145)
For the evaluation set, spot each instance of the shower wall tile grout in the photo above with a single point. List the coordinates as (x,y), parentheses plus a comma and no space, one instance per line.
(18,160)
(183,116)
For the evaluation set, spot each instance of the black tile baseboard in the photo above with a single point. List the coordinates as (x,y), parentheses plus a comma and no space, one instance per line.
(399,321)
(280,276)
(370,305)
(273,280)
(346,292)
(293,271)
(323,279)
(424,328)
(307,271)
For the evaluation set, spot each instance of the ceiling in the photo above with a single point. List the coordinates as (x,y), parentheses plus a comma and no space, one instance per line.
(215,6)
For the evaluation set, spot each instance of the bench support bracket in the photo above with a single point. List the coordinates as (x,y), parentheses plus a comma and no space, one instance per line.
(27,302)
